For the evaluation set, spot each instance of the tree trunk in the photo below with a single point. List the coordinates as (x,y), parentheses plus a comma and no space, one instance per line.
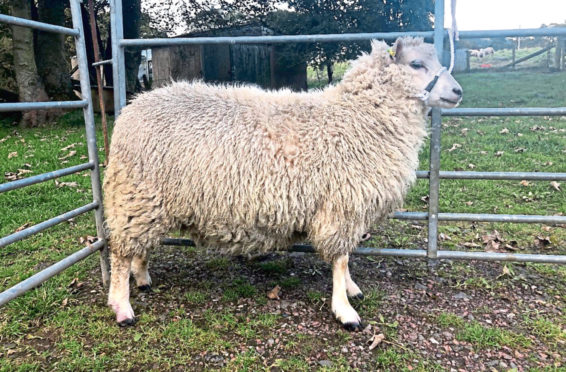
(131,10)
(329,71)
(30,87)
(52,63)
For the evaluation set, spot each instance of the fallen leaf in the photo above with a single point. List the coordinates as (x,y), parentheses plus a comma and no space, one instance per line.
(454,147)
(520,149)
(71,153)
(10,176)
(376,340)
(274,293)
(471,166)
(464,131)
(519,134)
(24,226)
(469,203)
(68,184)
(555,185)
(443,236)
(504,131)
(12,155)
(546,228)
(542,241)
(549,163)
(72,145)
(483,152)
(65,301)
(471,245)
(499,153)
(524,183)
(24,171)
(73,282)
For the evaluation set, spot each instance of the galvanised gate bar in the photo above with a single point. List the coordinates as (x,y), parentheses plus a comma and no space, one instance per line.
(434,174)
(86,104)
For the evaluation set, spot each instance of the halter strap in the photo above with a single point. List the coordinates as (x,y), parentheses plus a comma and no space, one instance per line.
(426,92)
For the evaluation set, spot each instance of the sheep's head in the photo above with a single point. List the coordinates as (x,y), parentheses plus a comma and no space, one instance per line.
(419,60)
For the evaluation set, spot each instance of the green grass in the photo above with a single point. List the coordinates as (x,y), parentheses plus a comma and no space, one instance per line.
(481,336)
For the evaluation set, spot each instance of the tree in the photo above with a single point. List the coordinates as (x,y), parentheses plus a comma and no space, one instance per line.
(293,17)
(30,87)
(52,59)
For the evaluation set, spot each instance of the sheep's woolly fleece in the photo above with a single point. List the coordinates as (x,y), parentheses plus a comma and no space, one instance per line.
(249,171)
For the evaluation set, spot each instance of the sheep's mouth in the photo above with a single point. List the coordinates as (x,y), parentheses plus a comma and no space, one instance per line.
(449,101)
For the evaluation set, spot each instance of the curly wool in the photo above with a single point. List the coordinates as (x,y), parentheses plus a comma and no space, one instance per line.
(250,171)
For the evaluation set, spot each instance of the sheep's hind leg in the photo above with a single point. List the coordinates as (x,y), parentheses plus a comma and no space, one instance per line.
(119,295)
(140,272)
(341,308)
(352,288)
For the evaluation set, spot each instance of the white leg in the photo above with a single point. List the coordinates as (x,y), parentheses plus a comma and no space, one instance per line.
(352,288)
(341,308)
(119,295)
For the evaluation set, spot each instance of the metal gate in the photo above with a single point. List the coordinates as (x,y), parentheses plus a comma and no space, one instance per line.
(434,174)
(86,104)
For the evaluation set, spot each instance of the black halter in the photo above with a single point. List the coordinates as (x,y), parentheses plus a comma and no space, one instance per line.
(426,92)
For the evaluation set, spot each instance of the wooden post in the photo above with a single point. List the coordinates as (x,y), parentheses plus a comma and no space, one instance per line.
(98,70)
(513,60)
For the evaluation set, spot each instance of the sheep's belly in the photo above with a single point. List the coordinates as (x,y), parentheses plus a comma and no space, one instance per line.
(244,241)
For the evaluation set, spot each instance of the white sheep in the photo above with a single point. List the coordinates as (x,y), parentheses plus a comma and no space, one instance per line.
(247,170)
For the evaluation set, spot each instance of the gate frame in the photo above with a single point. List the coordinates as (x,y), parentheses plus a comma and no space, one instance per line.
(86,104)
(434,174)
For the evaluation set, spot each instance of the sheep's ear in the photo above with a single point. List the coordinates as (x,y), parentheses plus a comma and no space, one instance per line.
(380,51)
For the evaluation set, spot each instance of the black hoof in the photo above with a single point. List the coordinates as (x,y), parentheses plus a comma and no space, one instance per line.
(353,327)
(127,322)
(145,288)
(360,296)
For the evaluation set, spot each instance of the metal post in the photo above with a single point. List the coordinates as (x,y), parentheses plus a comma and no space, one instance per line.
(434,170)
(90,136)
(118,61)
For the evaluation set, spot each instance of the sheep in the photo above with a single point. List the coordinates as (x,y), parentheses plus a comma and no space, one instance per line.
(246,170)
(489,51)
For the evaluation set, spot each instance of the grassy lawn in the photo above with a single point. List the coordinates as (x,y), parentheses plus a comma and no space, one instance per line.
(210,312)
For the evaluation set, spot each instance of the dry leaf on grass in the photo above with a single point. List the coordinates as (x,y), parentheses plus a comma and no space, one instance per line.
(88,239)
(524,183)
(454,147)
(12,154)
(469,203)
(555,185)
(520,149)
(24,226)
(72,145)
(471,166)
(499,153)
(471,245)
(68,184)
(10,176)
(542,241)
(71,153)
(274,293)
(504,131)
(376,340)
(519,134)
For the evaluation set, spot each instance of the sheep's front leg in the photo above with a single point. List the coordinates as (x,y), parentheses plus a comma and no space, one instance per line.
(119,294)
(352,288)
(341,308)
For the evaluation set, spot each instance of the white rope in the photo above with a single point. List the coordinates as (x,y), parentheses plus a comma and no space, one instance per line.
(452,35)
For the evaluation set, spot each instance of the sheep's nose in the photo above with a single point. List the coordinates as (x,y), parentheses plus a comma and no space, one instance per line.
(457,91)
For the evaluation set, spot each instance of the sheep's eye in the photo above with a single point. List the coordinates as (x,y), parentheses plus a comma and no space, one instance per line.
(416,64)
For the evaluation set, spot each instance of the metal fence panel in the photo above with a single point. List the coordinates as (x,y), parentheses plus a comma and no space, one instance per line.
(92,165)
